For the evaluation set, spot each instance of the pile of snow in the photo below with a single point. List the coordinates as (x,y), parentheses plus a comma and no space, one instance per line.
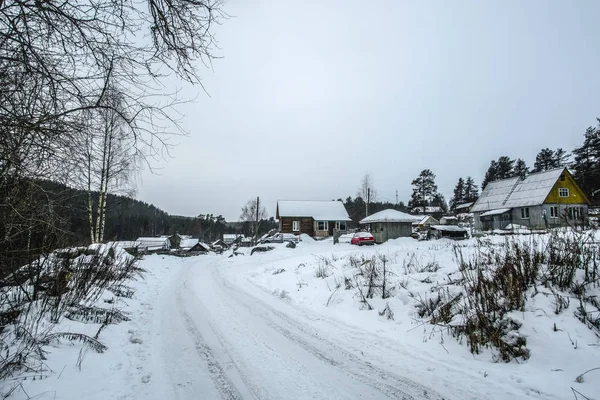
(306,238)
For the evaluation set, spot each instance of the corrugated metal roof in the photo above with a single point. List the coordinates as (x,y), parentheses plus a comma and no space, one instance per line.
(389,215)
(515,192)
(318,210)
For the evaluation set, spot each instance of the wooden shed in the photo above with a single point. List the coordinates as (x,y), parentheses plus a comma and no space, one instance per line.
(389,224)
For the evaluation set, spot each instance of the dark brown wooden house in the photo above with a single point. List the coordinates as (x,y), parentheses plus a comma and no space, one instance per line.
(318,219)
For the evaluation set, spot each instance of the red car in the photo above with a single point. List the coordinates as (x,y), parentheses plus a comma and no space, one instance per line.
(361,238)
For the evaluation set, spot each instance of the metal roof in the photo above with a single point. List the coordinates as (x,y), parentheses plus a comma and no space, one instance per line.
(516,192)
(495,212)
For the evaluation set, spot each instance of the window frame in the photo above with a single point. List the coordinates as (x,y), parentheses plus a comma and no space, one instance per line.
(562,190)
(325,226)
(295,226)
(338,225)
(525,213)
(554,212)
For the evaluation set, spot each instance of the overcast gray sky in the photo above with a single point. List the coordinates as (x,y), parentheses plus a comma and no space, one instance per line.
(309,95)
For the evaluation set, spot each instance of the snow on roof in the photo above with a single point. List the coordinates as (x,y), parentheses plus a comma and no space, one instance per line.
(448,228)
(318,210)
(201,244)
(516,192)
(428,209)
(152,241)
(422,219)
(464,205)
(389,215)
(232,235)
(495,212)
(188,243)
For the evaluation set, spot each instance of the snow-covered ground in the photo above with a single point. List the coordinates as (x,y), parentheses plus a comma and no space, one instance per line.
(266,327)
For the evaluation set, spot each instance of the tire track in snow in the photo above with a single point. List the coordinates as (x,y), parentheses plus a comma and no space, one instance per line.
(224,386)
(398,388)
(240,367)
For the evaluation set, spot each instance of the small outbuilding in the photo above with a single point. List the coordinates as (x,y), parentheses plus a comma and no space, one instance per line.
(154,244)
(199,248)
(423,222)
(389,224)
(448,231)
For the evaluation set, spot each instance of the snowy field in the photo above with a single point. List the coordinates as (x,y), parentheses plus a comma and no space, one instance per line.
(291,324)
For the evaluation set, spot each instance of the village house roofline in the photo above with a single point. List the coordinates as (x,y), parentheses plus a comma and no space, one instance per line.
(516,192)
(319,210)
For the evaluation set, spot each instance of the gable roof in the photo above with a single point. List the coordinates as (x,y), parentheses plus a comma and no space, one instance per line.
(389,215)
(463,205)
(516,192)
(318,210)
(423,219)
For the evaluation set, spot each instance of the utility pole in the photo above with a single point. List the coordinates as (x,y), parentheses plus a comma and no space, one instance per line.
(256,225)
(367,205)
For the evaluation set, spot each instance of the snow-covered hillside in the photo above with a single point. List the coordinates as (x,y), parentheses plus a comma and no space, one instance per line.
(291,323)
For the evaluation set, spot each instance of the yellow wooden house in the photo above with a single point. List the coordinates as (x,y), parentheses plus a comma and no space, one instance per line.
(540,200)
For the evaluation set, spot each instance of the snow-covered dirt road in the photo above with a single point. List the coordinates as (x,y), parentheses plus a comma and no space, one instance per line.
(267,326)
(250,348)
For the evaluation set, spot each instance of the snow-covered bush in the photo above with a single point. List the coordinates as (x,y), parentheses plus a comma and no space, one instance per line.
(496,280)
(65,284)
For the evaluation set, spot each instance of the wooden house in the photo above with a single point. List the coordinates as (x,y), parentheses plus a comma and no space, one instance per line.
(389,224)
(318,219)
(463,208)
(541,200)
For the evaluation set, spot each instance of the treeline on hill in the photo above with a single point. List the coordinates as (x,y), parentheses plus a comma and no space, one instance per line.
(126,218)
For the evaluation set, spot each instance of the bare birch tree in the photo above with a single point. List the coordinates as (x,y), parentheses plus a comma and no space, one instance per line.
(253,212)
(58,61)
(367,188)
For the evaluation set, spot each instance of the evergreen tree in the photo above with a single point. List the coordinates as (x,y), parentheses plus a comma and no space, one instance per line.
(506,168)
(503,168)
(490,174)
(561,158)
(548,159)
(544,160)
(459,194)
(471,190)
(439,201)
(424,189)
(521,169)
(586,163)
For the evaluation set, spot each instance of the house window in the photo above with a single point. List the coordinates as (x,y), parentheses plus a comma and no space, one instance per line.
(525,213)
(296,226)
(562,178)
(340,225)
(563,192)
(322,226)
(574,213)
(553,212)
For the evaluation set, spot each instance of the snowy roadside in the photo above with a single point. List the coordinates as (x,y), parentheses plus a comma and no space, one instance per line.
(317,277)
(127,368)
